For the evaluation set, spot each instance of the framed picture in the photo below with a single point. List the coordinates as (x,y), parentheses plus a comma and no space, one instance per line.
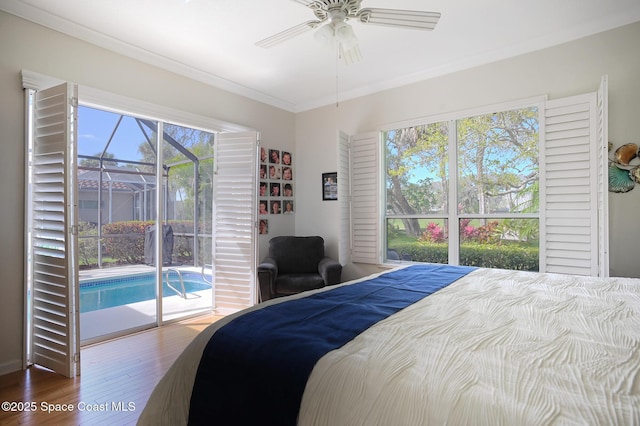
(274,156)
(287,159)
(287,173)
(264,188)
(275,172)
(330,186)
(287,190)
(274,189)
(275,207)
(287,207)
(264,226)
(263,207)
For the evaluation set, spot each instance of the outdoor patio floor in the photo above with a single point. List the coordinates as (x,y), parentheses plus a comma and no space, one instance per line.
(111,322)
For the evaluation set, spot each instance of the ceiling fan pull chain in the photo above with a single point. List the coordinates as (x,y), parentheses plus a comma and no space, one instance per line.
(337,79)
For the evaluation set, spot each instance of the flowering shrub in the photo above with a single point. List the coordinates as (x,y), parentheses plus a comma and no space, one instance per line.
(434,234)
(487,234)
(467,232)
(484,246)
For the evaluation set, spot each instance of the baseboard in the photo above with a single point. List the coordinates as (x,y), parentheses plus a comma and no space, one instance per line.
(10,367)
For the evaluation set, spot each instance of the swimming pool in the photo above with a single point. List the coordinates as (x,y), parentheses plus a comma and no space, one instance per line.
(98,294)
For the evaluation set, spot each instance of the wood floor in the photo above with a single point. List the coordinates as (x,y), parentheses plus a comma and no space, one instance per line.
(117,378)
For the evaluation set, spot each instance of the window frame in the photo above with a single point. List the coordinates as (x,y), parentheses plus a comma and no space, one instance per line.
(452,216)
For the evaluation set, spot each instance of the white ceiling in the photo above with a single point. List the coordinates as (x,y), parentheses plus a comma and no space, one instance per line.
(213,40)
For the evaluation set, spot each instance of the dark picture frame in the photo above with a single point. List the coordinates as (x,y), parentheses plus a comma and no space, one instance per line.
(330,186)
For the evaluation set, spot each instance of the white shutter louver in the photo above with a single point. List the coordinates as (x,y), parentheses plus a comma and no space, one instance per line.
(54,342)
(365,205)
(570,187)
(234,221)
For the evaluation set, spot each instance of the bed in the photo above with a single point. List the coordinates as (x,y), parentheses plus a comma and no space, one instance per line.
(479,346)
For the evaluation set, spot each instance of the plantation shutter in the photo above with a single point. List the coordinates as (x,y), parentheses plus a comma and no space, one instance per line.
(344,198)
(572,187)
(234,220)
(603,177)
(365,196)
(55,334)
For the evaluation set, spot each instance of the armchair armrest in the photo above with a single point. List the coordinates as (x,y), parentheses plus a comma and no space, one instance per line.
(330,270)
(267,274)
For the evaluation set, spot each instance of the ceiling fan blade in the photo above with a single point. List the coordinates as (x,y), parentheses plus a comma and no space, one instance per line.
(399,18)
(287,34)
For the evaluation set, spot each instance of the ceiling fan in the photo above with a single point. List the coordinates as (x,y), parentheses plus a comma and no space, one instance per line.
(333,30)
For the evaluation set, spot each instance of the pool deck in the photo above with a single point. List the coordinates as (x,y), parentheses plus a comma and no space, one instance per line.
(111,322)
(129,270)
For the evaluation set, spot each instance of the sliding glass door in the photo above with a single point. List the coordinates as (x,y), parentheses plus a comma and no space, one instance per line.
(116,204)
(188,176)
(144,222)
(121,229)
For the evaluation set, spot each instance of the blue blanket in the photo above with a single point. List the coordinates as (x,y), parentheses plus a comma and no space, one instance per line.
(254,369)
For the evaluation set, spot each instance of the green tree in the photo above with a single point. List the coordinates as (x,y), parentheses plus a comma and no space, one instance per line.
(498,158)
(180,167)
(497,166)
(410,149)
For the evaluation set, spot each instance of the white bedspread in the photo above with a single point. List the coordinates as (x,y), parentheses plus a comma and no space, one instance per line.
(494,348)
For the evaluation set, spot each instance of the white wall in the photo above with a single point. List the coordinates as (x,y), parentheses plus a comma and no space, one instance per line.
(25,45)
(570,69)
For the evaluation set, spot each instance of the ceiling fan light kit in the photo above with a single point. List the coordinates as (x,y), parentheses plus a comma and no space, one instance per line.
(345,36)
(337,34)
(325,35)
(334,31)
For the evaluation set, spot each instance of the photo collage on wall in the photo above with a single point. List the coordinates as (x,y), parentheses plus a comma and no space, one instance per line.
(276,185)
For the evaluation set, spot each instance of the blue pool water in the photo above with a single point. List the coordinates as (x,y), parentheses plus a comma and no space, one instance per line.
(117,291)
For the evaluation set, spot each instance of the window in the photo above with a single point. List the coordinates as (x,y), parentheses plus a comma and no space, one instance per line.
(89,204)
(465,191)
(570,219)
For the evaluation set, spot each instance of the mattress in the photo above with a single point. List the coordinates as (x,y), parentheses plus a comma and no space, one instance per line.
(493,347)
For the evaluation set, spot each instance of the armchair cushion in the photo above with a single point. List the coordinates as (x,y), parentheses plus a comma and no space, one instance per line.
(296,283)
